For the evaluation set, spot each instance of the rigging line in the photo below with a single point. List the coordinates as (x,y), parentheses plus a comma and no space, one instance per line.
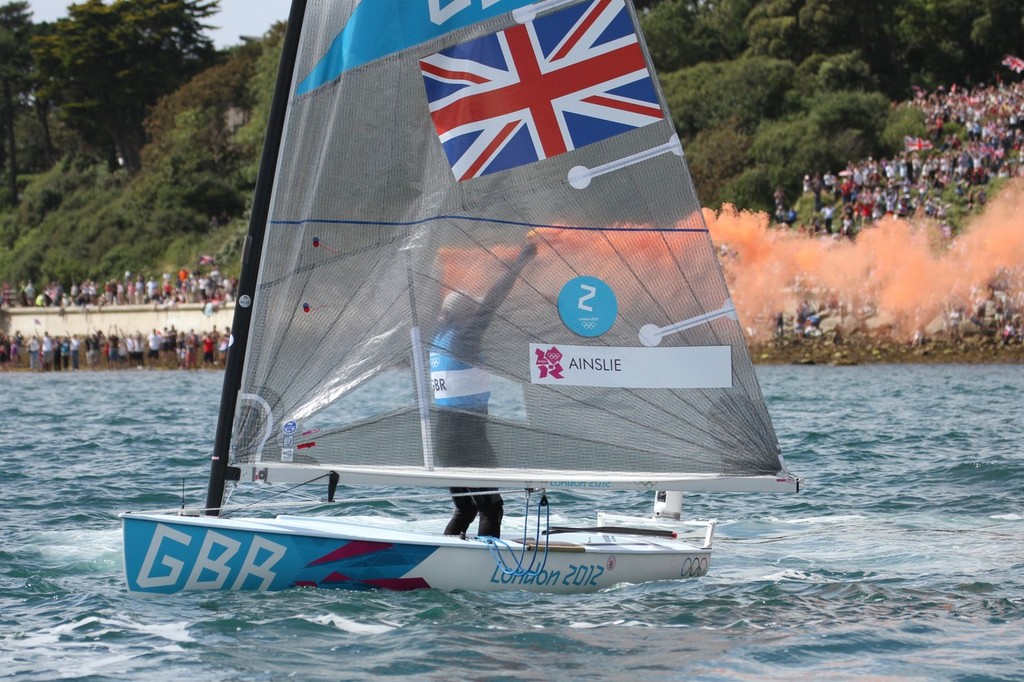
(278,493)
(536,545)
(495,544)
(543,502)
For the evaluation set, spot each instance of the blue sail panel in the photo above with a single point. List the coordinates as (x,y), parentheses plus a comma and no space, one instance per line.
(378,28)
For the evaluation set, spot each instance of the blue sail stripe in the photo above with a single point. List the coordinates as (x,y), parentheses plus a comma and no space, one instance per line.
(479,219)
(378,28)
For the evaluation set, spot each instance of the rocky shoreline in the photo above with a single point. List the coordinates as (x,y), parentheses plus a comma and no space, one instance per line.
(824,351)
(864,350)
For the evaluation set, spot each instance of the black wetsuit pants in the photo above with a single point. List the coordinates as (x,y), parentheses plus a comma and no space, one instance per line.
(487,503)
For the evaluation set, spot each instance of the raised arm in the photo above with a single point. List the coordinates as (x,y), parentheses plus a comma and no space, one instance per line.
(495,296)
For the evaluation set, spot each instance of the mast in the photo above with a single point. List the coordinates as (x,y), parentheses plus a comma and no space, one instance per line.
(251,252)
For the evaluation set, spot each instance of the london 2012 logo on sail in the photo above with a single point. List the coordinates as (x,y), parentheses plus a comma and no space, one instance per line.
(549,362)
(588,306)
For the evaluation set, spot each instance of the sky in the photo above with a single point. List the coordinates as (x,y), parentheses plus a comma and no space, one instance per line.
(236,17)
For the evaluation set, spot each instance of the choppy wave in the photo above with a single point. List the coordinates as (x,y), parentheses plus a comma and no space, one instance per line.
(900,559)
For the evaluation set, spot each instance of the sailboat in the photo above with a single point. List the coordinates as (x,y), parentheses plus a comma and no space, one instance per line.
(476,265)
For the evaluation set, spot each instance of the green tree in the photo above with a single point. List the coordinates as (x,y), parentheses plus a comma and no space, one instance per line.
(191,167)
(261,89)
(716,157)
(842,71)
(773,30)
(840,127)
(998,29)
(682,33)
(15,61)
(902,121)
(956,41)
(106,65)
(935,38)
(746,90)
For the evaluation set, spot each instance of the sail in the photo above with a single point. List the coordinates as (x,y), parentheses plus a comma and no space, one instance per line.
(485,261)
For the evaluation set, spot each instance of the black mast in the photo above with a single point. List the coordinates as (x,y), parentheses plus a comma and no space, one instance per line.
(251,252)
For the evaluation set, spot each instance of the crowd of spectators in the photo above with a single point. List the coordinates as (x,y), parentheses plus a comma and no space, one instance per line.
(986,141)
(996,316)
(208,288)
(159,349)
(973,136)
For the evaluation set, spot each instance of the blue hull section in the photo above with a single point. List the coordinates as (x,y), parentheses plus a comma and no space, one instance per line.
(162,557)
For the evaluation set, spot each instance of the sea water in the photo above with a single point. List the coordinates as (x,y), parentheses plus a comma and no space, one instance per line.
(901,558)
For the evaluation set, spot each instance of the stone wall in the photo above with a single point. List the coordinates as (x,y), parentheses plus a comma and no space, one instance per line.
(122,319)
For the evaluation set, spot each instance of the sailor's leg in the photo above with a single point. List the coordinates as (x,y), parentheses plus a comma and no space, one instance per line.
(492,509)
(465,512)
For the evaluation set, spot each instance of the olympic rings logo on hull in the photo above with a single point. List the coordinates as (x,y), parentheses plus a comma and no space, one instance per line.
(694,567)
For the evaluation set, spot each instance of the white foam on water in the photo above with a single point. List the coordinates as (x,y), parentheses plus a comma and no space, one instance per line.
(820,520)
(801,576)
(353,627)
(78,642)
(583,625)
(85,545)
(172,632)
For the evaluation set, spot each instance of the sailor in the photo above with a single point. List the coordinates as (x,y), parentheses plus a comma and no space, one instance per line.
(462,392)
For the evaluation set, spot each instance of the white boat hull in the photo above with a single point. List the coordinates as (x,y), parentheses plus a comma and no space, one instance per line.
(164,554)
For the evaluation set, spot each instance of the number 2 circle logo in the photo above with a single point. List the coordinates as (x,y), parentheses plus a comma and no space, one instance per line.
(587,306)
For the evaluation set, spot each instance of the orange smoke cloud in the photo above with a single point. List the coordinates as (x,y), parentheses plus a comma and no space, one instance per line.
(638,263)
(903,268)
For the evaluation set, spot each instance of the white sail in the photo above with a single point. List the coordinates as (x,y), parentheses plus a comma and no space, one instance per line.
(476,259)
(433,168)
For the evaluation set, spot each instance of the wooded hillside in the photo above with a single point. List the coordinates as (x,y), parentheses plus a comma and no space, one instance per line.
(130,143)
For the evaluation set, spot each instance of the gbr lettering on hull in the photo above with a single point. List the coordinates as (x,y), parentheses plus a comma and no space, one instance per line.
(170,550)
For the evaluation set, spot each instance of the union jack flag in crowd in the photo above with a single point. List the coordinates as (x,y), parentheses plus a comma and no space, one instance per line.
(991,150)
(1015,64)
(916,144)
(540,89)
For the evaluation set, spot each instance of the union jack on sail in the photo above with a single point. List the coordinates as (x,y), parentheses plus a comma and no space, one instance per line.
(537,90)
